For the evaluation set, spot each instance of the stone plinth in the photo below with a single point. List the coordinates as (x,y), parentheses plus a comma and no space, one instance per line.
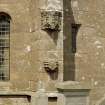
(74,93)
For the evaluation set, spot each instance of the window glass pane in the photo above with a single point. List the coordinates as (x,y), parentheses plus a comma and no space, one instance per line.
(4,47)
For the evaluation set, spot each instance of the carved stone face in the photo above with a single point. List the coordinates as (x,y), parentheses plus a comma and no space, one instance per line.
(51,66)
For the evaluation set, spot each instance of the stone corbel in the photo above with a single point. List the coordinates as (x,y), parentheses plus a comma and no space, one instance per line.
(51,20)
(51,66)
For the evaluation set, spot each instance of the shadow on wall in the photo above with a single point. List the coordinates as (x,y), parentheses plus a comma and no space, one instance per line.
(53,35)
(70,29)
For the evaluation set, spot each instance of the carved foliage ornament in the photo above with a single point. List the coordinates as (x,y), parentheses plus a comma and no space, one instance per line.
(51,20)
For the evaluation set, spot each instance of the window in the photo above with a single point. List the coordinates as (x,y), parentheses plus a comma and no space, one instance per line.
(4,46)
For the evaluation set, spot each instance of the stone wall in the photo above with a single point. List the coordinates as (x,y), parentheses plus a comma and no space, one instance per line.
(32,49)
(90,45)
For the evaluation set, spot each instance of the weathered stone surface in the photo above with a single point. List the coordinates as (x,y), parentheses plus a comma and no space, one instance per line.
(30,46)
(88,62)
(51,20)
(74,93)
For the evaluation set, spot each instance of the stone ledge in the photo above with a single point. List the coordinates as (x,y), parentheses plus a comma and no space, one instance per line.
(72,86)
(17,93)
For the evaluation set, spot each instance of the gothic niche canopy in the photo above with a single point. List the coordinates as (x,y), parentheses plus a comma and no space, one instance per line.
(51,16)
(51,20)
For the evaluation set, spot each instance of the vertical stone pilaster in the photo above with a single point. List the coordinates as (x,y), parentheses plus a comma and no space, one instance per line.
(61,99)
(39,98)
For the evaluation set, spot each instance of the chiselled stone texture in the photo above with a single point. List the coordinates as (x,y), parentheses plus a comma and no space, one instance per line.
(51,20)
